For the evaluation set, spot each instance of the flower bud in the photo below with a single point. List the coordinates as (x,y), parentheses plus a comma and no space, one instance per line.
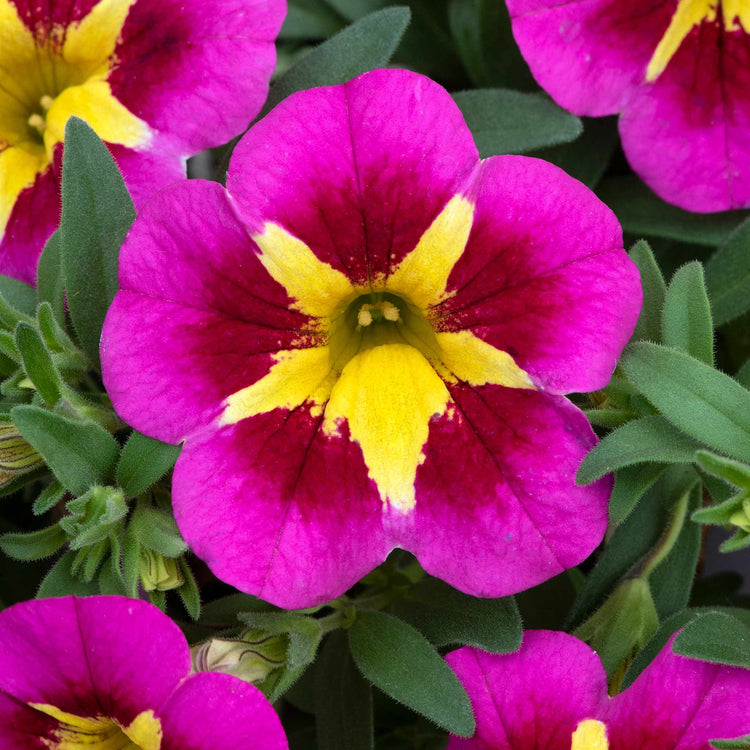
(741,516)
(17,457)
(253,657)
(159,573)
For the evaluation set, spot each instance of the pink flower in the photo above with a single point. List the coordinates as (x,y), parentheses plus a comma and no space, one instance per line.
(158,80)
(678,71)
(106,671)
(363,342)
(552,695)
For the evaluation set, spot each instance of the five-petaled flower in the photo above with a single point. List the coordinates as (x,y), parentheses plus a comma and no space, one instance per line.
(157,80)
(363,342)
(109,672)
(552,695)
(677,70)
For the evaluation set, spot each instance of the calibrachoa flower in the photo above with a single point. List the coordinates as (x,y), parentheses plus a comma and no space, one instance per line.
(158,80)
(677,70)
(109,672)
(552,695)
(362,343)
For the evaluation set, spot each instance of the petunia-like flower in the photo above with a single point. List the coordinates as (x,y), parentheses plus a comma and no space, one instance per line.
(111,673)
(362,343)
(158,80)
(677,70)
(552,695)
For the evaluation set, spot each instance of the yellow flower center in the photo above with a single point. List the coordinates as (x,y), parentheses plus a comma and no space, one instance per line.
(688,15)
(590,735)
(382,366)
(100,732)
(44,82)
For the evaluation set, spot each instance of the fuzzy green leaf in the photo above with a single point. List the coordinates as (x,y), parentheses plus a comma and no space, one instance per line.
(50,285)
(37,361)
(654,293)
(144,461)
(703,402)
(728,276)
(647,440)
(503,121)
(81,454)
(96,214)
(399,661)
(33,545)
(369,43)
(715,637)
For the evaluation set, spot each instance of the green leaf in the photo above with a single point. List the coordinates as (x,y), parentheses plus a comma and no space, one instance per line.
(703,402)
(647,440)
(654,293)
(81,454)
(631,483)
(21,296)
(96,214)
(728,276)
(53,334)
(743,374)
(503,121)
(188,592)
(157,530)
(399,661)
(354,9)
(671,580)
(144,461)
(33,545)
(741,743)
(445,616)
(50,285)
(734,472)
(48,498)
(60,581)
(686,322)
(369,43)
(343,699)
(94,516)
(37,361)
(715,637)
(641,212)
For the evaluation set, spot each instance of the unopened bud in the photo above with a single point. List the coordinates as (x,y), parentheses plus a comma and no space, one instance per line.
(741,517)
(17,457)
(159,573)
(253,657)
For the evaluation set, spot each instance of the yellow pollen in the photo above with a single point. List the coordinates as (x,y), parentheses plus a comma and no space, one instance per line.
(383,309)
(590,734)
(37,122)
(364,317)
(689,15)
(46,101)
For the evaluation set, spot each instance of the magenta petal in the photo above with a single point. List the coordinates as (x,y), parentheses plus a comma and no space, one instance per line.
(533,699)
(219,712)
(688,134)
(681,704)
(503,513)
(544,276)
(588,54)
(90,656)
(277,508)
(42,18)
(35,216)
(359,171)
(197,71)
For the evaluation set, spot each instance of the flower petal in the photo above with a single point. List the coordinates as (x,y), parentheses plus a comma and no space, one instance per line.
(533,699)
(544,276)
(35,216)
(498,510)
(588,54)
(279,509)
(680,704)
(220,712)
(100,655)
(688,135)
(357,172)
(179,57)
